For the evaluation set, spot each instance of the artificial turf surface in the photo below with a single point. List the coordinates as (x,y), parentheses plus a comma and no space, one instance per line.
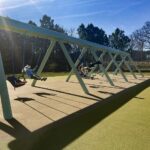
(118,123)
(128,128)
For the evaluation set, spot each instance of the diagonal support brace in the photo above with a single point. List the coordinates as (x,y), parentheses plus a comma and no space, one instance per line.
(77,63)
(47,55)
(115,63)
(102,68)
(73,67)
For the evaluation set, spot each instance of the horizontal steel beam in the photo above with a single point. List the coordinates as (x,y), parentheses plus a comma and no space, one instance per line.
(23,28)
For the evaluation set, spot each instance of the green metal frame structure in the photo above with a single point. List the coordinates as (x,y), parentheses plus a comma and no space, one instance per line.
(93,52)
(113,55)
(29,30)
(6,107)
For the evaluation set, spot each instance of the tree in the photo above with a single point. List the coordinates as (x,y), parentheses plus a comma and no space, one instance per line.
(71,32)
(119,40)
(57,61)
(48,23)
(82,32)
(137,40)
(23,50)
(59,29)
(141,38)
(93,34)
(32,23)
(146,34)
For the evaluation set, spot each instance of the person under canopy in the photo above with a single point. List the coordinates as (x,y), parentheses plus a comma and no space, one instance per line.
(95,63)
(15,81)
(31,74)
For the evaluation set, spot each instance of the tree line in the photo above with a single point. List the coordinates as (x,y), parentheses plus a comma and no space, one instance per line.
(18,50)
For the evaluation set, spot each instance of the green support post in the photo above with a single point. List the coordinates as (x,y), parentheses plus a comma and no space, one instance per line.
(102,68)
(73,67)
(101,59)
(47,55)
(77,63)
(114,61)
(131,61)
(111,62)
(6,107)
(120,64)
(127,65)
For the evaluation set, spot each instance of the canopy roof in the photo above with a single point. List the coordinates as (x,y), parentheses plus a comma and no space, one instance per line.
(27,29)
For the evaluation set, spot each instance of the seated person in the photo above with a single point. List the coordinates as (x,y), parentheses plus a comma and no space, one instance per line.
(95,63)
(30,72)
(15,81)
(83,71)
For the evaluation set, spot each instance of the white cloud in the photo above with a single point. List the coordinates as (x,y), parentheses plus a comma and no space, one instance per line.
(120,9)
(81,15)
(82,3)
(13,4)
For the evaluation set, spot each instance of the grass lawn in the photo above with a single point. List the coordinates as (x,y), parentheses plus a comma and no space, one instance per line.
(119,123)
(52,74)
(126,129)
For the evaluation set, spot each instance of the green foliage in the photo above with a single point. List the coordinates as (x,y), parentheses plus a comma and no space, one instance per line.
(32,23)
(57,61)
(18,50)
(119,40)
(93,34)
(48,23)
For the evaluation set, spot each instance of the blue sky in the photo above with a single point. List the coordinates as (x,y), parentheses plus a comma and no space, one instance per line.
(128,15)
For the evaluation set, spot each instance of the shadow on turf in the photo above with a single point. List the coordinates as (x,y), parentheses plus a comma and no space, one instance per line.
(26,99)
(44,94)
(104,92)
(16,129)
(59,134)
(55,99)
(94,97)
(139,97)
(100,85)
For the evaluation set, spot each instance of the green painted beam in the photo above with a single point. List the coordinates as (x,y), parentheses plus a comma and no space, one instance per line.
(47,55)
(110,63)
(6,107)
(77,62)
(23,28)
(130,69)
(103,69)
(136,67)
(120,64)
(115,63)
(101,59)
(73,67)
(123,61)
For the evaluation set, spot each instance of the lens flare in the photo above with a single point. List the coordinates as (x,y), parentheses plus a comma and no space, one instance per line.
(7,28)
